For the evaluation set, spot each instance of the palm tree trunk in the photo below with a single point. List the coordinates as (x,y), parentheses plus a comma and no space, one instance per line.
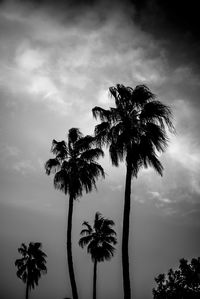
(27,289)
(69,250)
(95,280)
(125,233)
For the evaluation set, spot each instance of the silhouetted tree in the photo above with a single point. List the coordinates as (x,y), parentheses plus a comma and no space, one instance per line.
(99,240)
(76,170)
(183,283)
(31,265)
(134,130)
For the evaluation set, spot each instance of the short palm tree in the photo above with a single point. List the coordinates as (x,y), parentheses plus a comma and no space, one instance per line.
(76,170)
(135,131)
(99,240)
(31,265)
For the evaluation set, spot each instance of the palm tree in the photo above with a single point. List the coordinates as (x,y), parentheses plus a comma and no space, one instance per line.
(98,240)
(75,170)
(134,131)
(31,265)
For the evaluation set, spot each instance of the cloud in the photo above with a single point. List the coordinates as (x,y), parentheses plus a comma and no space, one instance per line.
(186,151)
(159,199)
(8,151)
(178,207)
(29,59)
(61,62)
(65,61)
(24,167)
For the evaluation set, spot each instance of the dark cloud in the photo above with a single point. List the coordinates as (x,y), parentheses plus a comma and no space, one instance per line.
(176,23)
(176,15)
(155,16)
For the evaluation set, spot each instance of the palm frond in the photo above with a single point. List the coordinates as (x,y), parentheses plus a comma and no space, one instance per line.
(101,132)
(98,221)
(103,114)
(52,165)
(89,173)
(102,253)
(85,232)
(158,112)
(59,149)
(109,249)
(142,95)
(62,181)
(92,154)
(23,249)
(99,239)
(74,135)
(107,223)
(121,95)
(156,136)
(32,263)
(155,163)
(84,144)
(89,228)
(111,239)
(117,153)
(85,240)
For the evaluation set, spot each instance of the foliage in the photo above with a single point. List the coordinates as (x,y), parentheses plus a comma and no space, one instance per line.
(134,128)
(74,164)
(99,238)
(183,283)
(32,264)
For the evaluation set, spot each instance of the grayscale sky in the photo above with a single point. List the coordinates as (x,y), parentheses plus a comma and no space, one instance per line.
(57,61)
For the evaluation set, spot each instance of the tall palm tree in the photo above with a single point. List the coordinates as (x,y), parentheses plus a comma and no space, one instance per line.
(135,131)
(31,265)
(75,170)
(98,240)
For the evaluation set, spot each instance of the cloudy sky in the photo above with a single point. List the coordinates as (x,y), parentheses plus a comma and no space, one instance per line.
(57,62)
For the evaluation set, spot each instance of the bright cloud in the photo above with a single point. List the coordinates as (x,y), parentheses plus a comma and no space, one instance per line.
(29,59)
(186,151)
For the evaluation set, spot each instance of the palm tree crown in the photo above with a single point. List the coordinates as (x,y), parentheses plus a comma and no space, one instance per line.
(135,128)
(32,264)
(74,164)
(99,238)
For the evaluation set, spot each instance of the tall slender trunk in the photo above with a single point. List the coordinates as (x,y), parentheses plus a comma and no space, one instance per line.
(69,249)
(95,280)
(125,233)
(27,289)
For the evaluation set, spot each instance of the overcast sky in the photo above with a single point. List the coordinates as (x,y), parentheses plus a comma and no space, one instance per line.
(57,62)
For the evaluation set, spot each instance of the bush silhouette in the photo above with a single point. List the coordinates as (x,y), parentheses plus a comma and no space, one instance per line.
(183,283)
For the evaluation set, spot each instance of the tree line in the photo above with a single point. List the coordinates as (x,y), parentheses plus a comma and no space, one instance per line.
(181,283)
